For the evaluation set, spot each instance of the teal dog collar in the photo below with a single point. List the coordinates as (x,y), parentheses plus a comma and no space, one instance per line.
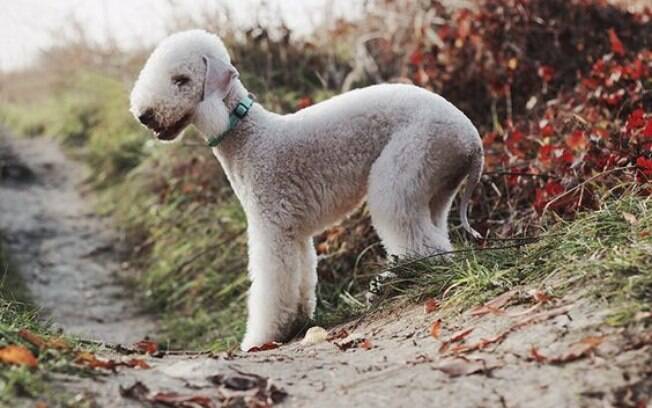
(237,114)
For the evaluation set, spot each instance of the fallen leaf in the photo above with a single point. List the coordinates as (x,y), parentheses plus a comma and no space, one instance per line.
(146,346)
(337,334)
(495,305)
(540,296)
(173,399)
(315,335)
(90,360)
(366,344)
(140,392)
(459,366)
(430,305)
(267,346)
(247,389)
(137,391)
(435,329)
(17,355)
(353,341)
(57,343)
(461,334)
(135,363)
(616,45)
(536,356)
(579,350)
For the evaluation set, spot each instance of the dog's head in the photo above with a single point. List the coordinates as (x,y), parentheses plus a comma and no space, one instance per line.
(189,72)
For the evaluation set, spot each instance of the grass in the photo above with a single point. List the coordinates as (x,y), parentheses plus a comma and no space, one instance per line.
(608,251)
(21,384)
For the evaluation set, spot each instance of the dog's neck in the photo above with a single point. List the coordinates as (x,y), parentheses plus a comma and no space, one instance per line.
(212,120)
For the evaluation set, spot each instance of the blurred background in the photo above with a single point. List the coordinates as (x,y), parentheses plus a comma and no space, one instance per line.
(559,89)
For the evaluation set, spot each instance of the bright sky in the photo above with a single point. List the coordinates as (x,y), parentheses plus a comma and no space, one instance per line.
(27,26)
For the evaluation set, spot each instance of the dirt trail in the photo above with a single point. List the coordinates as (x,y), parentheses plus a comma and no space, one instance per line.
(66,253)
(69,261)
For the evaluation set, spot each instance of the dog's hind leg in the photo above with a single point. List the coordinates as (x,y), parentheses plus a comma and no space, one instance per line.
(274,269)
(401,186)
(308,279)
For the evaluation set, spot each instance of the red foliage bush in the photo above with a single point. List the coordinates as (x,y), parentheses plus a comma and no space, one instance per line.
(561,91)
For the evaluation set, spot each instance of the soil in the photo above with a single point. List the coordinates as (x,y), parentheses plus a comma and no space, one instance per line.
(559,354)
(68,255)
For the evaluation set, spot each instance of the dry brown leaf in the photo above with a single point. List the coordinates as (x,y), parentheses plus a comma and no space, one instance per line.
(540,296)
(146,346)
(267,346)
(524,312)
(139,392)
(337,334)
(430,305)
(435,329)
(57,343)
(366,344)
(17,355)
(91,361)
(459,366)
(536,356)
(579,350)
(173,399)
(494,306)
(135,363)
(541,316)
(461,334)
(353,341)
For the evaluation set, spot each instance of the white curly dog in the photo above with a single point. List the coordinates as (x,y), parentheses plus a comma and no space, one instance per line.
(405,149)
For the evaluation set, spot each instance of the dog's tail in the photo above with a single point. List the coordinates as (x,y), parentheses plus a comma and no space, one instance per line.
(475,172)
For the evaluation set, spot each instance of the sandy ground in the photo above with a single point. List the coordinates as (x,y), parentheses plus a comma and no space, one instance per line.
(67,254)
(559,354)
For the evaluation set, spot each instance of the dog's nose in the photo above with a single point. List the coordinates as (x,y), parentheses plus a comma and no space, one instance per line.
(147,118)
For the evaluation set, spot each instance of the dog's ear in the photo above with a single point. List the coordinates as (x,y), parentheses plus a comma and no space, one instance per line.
(220,77)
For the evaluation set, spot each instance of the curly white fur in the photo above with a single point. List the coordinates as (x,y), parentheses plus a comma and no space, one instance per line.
(405,149)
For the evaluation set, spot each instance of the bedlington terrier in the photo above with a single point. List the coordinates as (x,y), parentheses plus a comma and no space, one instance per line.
(405,149)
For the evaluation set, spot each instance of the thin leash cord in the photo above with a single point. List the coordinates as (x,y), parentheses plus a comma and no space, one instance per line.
(525,241)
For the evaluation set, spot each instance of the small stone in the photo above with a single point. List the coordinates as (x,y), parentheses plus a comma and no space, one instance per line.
(314,335)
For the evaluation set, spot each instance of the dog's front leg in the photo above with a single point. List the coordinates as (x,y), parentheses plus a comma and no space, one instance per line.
(274,270)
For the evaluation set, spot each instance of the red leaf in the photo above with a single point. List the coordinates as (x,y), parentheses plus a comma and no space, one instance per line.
(435,329)
(495,305)
(545,153)
(267,346)
(536,356)
(647,132)
(645,164)
(430,305)
(546,73)
(416,57)
(304,102)
(17,355)
(146,346)
(616,45)
(636,119)
(577,140)
(547,130)
(461,334)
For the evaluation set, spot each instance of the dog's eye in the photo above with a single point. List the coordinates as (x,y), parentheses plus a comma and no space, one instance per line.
(180,80)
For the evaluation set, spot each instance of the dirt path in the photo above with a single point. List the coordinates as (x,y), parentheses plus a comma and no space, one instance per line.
(560,354)
(66,253)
